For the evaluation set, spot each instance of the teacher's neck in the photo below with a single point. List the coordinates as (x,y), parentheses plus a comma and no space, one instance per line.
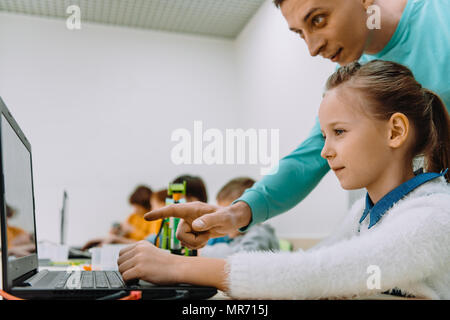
(391,13)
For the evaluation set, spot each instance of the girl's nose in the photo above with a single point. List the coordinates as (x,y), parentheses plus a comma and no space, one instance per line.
(327,152)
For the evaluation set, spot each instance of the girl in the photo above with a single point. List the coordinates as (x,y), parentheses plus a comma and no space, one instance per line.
(376,119)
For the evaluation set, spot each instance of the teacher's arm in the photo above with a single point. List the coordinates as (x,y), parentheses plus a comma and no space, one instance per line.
(297,175)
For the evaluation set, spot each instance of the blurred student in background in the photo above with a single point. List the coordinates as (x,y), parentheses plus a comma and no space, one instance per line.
(20,242)
(15,236)
(195,188)
(260,237)
(158,199)
(135,228)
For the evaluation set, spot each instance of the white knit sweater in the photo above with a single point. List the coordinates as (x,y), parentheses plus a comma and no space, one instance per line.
(410,245)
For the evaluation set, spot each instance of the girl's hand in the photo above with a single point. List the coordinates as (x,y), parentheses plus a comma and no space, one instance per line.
(146,262)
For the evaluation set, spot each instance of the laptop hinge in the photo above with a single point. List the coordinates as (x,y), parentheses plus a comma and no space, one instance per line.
(30,278)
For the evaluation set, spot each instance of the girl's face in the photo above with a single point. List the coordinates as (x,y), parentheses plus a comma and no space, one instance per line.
(356,145)
(333,29)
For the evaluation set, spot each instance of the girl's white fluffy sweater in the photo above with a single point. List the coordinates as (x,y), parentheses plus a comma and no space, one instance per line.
(410,245)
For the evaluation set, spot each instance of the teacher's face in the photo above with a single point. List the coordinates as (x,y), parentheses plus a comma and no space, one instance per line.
(334,29)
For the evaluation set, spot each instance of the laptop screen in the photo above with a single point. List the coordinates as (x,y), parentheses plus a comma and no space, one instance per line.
(18,196)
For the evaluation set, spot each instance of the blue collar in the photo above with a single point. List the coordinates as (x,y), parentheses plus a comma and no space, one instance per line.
(379,209)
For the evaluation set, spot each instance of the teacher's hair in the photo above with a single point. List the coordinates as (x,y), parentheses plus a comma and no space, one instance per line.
(278,3)
(392,88)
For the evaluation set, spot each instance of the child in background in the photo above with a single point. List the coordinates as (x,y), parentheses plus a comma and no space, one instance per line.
(15,236)
(195,188)
(135,228)
(20,243)
(260,237)
(158,199)
(375,120)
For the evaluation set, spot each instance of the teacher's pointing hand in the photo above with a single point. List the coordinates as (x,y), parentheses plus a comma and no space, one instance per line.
(202,221)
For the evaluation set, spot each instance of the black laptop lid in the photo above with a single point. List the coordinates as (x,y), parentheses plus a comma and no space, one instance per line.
(18,229)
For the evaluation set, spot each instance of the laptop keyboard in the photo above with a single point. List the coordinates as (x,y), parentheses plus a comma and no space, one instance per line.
(89,280)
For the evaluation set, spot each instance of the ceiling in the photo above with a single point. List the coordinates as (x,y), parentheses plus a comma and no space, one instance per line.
(217,18)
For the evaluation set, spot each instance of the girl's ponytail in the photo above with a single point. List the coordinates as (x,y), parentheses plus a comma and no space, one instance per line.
(437,153)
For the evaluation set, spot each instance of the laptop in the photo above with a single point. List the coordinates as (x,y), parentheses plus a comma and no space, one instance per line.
(21,276)
(62,228)
(74,253)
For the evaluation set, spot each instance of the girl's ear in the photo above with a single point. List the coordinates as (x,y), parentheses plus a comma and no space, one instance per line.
(398,130)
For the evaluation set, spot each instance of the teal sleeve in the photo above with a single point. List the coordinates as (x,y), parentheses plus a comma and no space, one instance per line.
(297,175)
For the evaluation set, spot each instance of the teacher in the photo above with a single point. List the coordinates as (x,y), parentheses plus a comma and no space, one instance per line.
(415,33)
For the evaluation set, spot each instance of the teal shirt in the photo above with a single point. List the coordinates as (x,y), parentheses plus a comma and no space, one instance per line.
(422,43)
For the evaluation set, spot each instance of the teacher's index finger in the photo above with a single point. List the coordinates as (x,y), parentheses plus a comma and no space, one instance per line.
(185,211)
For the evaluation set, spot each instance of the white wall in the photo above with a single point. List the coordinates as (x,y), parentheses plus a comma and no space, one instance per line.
(281,87)
(99,106)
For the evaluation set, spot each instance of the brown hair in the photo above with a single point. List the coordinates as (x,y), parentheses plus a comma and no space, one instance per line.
(10,211)
(141,197)
(393,88)
(195,187)
(160,195)
(278,3)
(234,188)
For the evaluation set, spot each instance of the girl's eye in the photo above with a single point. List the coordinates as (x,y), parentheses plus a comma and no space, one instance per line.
(339,132)
(318,21)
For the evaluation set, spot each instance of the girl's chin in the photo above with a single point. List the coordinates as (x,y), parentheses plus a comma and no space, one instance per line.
(346,185)
(353,179)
